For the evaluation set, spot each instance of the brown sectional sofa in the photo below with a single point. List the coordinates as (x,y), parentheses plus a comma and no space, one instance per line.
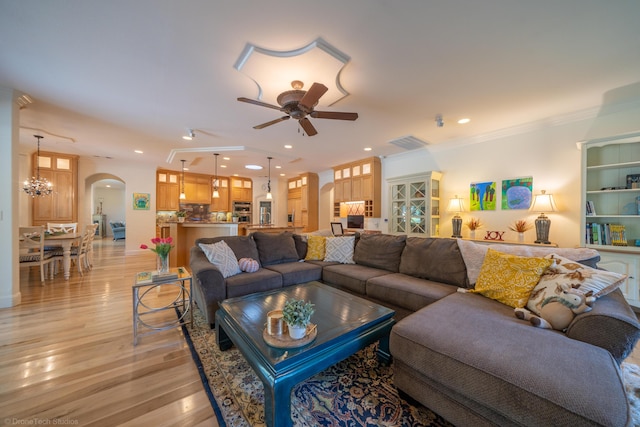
(462,355)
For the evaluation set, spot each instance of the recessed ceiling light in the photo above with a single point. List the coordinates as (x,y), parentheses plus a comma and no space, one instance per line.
(223,166)
(226,158)
(288,146)
(138,151)
(186,169)
(464,121)
(367,149)
(235,174)
(278,167)
(253,167)
(282,174)
(108,186)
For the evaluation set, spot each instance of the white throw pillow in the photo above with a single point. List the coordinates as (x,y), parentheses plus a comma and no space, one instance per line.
(575,275)
(222,256)
(339,249)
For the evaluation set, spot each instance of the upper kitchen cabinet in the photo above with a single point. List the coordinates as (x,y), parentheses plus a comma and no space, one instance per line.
(241,189)
(167,190)
(61,170)
(359,181)
(197,188)
(222,202)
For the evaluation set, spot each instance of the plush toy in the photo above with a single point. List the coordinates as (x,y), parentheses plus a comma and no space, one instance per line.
(557,311)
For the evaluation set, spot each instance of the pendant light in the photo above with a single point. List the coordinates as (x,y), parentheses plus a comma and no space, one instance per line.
(269,195)
(216,194)
(183,196)
(37,186)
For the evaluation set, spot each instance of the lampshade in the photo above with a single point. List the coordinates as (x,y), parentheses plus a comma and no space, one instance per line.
(456,205)
(543,202)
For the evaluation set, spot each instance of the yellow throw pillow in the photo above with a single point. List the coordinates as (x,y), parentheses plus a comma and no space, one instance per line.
(315,248)
(509,279)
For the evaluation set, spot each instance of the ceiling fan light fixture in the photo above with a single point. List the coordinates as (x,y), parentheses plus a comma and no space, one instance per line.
(189,135)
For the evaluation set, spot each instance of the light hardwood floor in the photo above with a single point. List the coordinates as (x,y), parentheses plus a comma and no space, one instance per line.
(67,354)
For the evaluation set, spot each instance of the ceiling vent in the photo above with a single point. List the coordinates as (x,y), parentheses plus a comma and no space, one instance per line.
(408,142)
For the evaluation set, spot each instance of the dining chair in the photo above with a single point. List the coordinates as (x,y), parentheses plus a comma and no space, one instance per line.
(31,249)
(65,227)
(78,253)
(91,228)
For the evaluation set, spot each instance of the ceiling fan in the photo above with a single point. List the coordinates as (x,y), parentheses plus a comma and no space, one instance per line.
(298,104)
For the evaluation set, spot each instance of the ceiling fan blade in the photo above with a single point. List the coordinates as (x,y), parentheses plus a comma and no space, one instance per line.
(272,122)
(260,103)
(308,127)
(333,115)
(312,96)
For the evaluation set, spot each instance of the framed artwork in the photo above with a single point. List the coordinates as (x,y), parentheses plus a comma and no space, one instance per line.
(482,196)
(517,193)
(141,201)
(336,229)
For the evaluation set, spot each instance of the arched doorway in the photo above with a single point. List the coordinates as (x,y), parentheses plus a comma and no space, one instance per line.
(106,201)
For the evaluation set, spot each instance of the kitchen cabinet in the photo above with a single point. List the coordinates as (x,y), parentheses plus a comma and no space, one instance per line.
(167,190)
(222,203)
(359,181)
(61,205)
(197,188)
(241,189)
(302,199)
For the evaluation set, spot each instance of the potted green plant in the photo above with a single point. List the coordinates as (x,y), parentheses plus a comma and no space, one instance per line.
(181,215)
(297,314)
(235,217)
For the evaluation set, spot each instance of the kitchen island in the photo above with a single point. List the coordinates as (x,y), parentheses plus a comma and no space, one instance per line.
(246,229)
(184,235)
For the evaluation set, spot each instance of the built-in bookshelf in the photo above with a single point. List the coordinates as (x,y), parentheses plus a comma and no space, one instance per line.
(610,217)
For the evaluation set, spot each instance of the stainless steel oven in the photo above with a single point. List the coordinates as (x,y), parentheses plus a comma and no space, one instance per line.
(243,209)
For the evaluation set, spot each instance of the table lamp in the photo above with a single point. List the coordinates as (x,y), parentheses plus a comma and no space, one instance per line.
(456,205)
(542,203)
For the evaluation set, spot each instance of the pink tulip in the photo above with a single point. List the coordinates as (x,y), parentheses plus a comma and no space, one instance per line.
(143,246)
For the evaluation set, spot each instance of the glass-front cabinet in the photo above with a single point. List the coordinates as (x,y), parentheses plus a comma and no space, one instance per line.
(415,204)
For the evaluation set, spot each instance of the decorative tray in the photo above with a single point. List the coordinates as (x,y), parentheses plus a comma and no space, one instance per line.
(285,341)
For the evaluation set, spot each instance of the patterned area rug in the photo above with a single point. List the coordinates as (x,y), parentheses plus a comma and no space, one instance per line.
(356,392)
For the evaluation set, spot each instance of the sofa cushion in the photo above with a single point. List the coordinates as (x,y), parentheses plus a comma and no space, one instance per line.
(315,248)
(434,259)
(221,255)
(297,272)
(339,249)
(249,283)
(509,278)
(352,277)
(242,246)
(275,248)
(473,254)
(473,349)
(380,251)
(575,275)
(301,245)
(405,291)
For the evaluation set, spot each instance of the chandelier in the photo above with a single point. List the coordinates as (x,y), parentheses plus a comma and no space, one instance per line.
(37,186)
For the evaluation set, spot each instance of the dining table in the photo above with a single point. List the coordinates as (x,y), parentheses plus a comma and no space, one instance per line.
(65,241)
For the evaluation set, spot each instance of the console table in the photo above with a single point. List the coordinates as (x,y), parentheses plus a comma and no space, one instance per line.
(143,301)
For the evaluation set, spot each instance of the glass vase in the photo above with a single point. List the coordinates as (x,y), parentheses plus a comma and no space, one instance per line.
(163,264)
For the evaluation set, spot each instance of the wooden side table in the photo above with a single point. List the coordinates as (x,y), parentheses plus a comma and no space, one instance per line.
(148,281)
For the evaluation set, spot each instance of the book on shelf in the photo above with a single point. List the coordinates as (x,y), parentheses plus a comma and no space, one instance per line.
(591,209)
(605,234)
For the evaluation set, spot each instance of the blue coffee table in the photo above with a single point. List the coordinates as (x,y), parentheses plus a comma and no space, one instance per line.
(345,325)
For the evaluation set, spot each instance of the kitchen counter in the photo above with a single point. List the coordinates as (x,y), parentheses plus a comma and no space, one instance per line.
(247,229)
(184,235)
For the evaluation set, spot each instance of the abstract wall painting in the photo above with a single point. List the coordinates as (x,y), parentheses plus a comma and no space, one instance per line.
(517,193)
(482,196)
